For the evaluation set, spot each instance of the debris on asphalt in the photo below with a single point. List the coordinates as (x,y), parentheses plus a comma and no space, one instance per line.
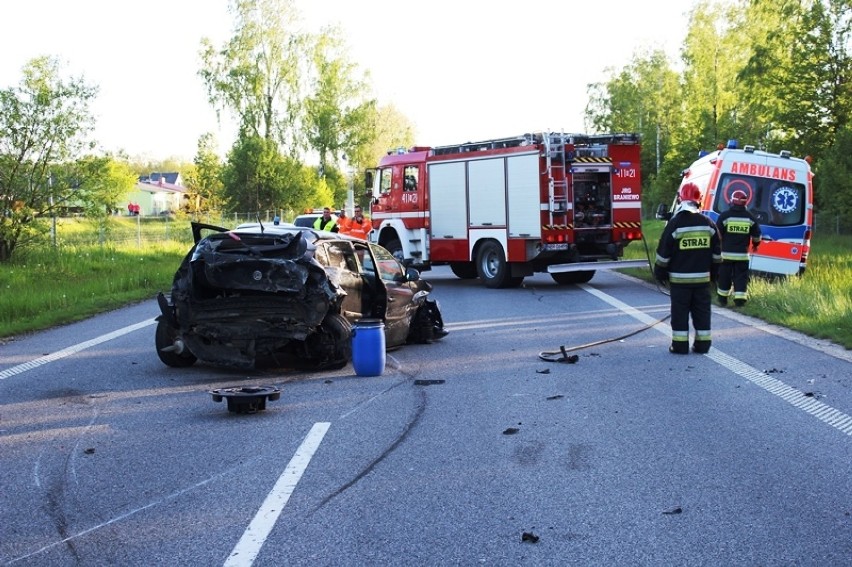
(510,431)
(675,510)
(428,382)
(249,399)
(529,537)
(545,371)
(556,397)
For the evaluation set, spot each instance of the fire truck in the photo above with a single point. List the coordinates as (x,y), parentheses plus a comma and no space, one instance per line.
(779,188)
(503,209)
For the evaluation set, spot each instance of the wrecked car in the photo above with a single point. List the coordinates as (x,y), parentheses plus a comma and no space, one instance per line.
(280,295)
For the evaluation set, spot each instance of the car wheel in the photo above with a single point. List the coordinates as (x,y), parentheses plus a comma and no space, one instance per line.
(569,278)
(330,347)
(464,270)
(169,349)
(493,269)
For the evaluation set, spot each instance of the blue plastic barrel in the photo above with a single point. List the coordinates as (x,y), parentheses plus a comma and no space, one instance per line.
(368,347)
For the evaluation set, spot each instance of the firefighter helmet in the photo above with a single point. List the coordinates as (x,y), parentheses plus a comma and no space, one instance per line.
(739,197)
(689,192)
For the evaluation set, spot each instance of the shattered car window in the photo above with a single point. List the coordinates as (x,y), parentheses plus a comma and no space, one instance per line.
(389,268)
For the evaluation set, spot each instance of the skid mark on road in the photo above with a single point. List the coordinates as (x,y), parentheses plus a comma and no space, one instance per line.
(823,412)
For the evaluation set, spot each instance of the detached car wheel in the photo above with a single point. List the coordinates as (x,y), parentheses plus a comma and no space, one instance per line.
(170,350)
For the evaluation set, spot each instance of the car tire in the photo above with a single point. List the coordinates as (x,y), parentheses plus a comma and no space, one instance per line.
(493,269)
(164,338)
(571,278)
(330,347)
(464,270)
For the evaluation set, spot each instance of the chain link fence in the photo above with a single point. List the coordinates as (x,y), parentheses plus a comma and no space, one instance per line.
(831,223)
(141,230)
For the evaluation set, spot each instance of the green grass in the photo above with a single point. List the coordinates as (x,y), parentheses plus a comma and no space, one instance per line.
(91,270)
(94,269)
(818,304)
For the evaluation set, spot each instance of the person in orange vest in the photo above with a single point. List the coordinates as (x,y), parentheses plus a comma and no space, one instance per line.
(358,226)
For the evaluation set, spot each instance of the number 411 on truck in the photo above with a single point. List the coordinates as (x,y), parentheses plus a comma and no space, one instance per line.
(503,209)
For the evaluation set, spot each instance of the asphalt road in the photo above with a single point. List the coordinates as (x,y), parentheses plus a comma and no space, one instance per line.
(469,451)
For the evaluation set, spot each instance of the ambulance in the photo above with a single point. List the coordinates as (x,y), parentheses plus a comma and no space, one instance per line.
(779,190)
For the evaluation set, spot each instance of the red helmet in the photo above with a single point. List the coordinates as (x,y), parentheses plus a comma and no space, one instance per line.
(689,192)
(739,197)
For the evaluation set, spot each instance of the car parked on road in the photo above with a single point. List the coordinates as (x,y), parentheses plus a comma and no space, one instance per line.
(282,295)
(307,220)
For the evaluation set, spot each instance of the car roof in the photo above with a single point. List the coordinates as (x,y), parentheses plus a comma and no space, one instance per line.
(311,235)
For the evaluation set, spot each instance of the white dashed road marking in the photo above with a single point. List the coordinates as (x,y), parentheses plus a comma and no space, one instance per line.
(258,530)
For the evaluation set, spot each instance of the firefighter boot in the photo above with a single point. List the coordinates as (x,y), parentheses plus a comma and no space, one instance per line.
(701,347)
(679,347)
(723,300)
(739,302)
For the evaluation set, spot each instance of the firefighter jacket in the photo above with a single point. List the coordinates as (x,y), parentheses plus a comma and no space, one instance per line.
(738,228)
(689,251)
(353,227)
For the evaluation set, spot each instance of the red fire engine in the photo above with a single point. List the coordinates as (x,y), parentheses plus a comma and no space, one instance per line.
(503,209)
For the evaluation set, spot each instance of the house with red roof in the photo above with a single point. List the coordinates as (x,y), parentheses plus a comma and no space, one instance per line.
(157,194)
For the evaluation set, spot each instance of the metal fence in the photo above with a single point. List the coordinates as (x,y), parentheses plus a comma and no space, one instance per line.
(831,223)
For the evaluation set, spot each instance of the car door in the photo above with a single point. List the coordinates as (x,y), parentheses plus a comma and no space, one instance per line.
(340,262)
(400,305)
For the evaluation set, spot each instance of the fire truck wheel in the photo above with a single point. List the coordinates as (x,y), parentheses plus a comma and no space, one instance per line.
(493,269)
(395,248)
(464,270)
(569,278)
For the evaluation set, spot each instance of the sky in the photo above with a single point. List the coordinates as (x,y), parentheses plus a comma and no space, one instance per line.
(460,70)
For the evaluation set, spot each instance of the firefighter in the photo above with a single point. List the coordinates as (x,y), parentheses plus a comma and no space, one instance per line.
(738,227)
(325,222)
(358,226)
(688,257)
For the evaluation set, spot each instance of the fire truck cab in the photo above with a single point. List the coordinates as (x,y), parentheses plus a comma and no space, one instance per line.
(503,209)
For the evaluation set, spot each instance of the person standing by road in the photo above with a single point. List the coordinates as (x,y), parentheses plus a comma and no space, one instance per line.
(326,222)
(688,257)
(358,225)
(739,228)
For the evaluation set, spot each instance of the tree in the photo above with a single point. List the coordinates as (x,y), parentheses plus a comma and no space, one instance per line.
(205,188)
(101,182)
(43,122)
(833,177)
(256,76)
(643,97)
(257,177)
(338,113)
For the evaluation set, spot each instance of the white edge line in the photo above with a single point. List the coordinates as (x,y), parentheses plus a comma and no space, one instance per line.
(73,349)
(823,412)
(247,549)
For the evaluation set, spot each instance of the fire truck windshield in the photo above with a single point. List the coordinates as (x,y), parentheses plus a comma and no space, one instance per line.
(774,202)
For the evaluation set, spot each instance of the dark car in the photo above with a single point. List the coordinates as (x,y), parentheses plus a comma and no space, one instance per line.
(282,295)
